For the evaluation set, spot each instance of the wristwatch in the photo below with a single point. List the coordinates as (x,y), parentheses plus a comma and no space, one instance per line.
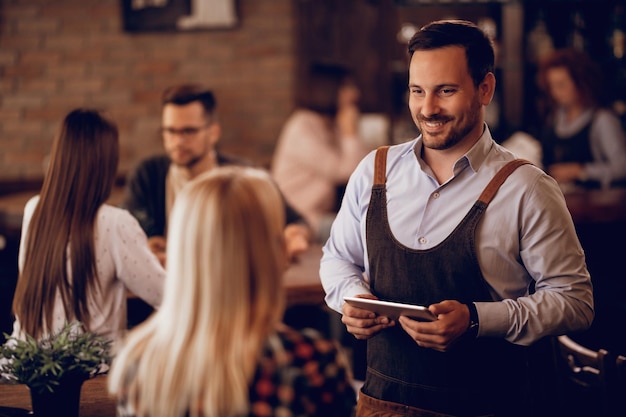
(472,329)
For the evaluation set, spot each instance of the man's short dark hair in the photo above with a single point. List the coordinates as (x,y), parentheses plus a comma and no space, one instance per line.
(188,93)
(441,33)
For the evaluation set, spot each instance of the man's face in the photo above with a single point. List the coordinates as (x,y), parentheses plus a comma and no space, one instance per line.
(188,134)
(444,103)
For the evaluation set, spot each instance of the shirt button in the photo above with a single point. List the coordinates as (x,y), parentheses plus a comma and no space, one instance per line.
(422,240)
(435,195)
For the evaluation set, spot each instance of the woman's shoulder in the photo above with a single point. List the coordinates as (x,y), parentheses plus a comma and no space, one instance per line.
(605,115)
(115,217)
(108,210)
(30,205)
(306,117)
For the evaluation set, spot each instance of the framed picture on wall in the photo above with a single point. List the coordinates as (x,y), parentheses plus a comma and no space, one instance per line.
(178,15)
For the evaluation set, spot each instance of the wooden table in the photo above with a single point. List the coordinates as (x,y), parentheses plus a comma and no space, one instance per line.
(597,206)
(94,398)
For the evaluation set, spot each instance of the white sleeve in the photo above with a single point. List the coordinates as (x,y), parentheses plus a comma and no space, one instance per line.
(29,209)
(135,265)
(608,145)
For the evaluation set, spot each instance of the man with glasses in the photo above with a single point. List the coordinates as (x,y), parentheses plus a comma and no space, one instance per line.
(190,132)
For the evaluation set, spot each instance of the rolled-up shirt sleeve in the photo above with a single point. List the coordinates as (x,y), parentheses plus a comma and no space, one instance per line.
(344,257)
(550,251)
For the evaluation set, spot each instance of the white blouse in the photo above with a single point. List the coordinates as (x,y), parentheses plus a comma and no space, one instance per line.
(124,262)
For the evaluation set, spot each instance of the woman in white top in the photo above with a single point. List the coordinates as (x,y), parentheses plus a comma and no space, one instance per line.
(319,146)
(79,256)
(583,141)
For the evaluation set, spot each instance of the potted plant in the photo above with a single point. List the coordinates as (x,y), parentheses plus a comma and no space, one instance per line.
(55,367)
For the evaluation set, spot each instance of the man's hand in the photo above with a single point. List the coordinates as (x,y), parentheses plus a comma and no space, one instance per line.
(297,238)
(362,323)
(157,245)
(347,120)
(453,321)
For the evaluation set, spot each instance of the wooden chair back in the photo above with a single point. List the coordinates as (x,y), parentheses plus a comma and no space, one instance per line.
(620,391)
(586,379)
(621,370)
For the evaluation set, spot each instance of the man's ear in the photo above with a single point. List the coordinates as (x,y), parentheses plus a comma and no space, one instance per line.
(215,132)
(487,88)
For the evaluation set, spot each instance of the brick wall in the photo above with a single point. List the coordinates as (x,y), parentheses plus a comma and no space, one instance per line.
(59,54)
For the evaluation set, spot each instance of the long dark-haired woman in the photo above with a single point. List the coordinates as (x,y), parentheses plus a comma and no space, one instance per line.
(78,255)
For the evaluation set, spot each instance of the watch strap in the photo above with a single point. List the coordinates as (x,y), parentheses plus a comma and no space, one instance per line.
(472,328)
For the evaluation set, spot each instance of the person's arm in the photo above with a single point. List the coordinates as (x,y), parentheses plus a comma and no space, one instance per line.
(551,253)
(298,234)
(351,145)
(136,266)
(549,249)
(608,145)
(308,139)
(343,260)
(144,195)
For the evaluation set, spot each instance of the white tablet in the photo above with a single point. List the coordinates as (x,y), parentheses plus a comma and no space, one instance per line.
(391,309)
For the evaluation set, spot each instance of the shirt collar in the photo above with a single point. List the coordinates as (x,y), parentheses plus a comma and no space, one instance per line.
(478,153)
(474,157)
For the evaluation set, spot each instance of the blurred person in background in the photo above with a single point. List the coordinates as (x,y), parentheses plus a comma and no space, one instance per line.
(191,130)
(582,142)
(78,255)
(217,346)
(319,146)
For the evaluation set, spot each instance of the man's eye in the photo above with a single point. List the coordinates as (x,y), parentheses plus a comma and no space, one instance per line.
(189,131)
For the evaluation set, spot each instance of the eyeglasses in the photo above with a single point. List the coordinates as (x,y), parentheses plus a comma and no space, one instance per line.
(184,132)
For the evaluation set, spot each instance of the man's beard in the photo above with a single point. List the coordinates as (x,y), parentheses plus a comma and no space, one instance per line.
(193,162)
(458,132)
(190,162)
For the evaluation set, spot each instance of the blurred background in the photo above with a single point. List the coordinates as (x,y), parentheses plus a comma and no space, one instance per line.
(119,55)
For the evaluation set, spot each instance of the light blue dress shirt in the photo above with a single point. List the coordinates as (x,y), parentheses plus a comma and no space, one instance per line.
(526,234)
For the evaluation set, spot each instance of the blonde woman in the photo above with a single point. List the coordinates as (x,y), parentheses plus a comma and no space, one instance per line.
(217,346)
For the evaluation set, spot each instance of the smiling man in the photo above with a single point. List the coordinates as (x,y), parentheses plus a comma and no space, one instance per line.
(191,131)
(452,221)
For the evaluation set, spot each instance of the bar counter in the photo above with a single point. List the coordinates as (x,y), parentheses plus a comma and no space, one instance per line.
(597,206)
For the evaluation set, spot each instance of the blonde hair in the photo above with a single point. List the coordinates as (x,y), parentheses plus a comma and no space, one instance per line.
(223,298)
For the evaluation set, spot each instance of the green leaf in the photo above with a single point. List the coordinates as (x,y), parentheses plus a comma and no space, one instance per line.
(43,364)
